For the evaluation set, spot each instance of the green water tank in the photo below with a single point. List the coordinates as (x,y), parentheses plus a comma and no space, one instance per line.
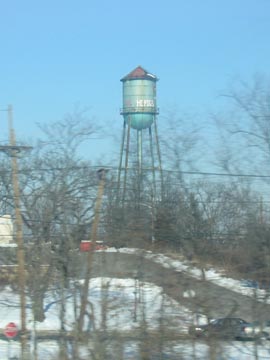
(139,98)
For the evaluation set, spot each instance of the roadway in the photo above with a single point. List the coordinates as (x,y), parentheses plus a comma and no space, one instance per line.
(210,299)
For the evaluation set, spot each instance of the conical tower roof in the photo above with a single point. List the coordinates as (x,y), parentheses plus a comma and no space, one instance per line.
(139,73)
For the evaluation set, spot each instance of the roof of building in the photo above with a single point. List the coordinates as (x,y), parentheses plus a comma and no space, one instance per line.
(139,73)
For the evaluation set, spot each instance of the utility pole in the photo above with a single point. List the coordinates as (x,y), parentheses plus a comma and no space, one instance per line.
(12,150)
(84,297)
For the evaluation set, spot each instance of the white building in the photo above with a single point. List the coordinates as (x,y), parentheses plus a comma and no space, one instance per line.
(6,229)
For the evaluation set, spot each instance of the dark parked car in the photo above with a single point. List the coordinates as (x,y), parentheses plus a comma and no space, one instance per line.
(257,330)
(226,328)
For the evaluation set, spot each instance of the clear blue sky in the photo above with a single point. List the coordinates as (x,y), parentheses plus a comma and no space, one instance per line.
(56,54)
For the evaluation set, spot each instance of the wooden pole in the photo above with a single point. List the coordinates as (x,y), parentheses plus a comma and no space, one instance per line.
(18,233)
(84,297)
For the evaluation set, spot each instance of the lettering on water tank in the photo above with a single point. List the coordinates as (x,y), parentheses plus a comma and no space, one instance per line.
(145,103)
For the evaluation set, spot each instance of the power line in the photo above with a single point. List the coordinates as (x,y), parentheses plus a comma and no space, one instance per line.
(115,168)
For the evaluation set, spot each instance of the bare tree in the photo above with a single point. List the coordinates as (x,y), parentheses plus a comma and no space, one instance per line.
(244,127)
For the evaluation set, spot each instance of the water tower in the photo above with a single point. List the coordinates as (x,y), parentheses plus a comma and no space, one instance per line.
(140,148)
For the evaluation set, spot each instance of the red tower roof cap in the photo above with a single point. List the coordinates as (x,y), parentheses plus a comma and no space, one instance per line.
(139,73)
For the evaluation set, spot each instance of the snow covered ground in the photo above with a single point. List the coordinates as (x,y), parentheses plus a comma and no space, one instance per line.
(172,351)
(127,302)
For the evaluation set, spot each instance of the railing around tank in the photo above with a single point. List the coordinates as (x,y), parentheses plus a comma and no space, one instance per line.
(136,110)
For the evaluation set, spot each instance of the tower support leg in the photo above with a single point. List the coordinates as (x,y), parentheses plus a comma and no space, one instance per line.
(121,159)
(159,157)
(139,160)
(126,163)
(154,189)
